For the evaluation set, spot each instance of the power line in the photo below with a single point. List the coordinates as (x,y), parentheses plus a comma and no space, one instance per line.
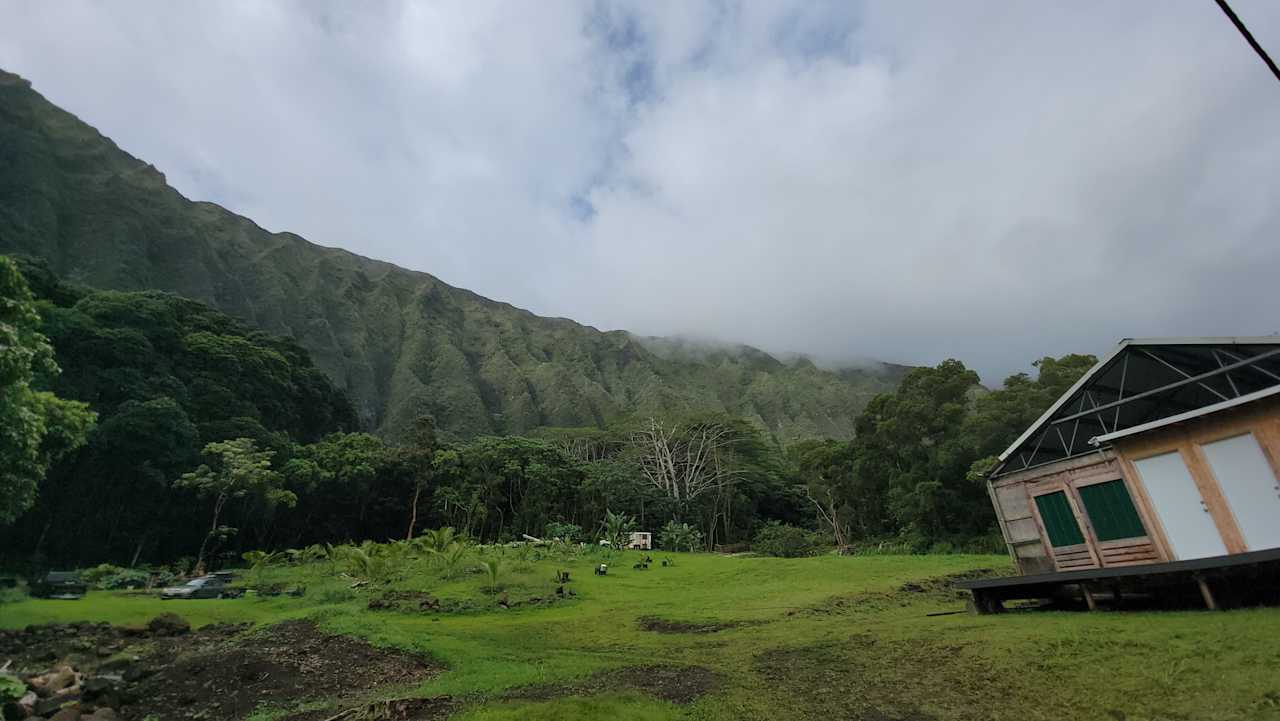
(1248,36)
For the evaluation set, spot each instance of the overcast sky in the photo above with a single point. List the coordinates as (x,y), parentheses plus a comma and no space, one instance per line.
(907,181)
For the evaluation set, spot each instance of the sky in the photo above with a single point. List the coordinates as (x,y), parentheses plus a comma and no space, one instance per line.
(905,181)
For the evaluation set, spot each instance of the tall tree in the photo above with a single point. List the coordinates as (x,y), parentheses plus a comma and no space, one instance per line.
(36,427)
(419,462)
(238,470)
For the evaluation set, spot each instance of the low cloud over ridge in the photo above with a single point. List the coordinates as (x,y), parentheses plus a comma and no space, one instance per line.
(990,181)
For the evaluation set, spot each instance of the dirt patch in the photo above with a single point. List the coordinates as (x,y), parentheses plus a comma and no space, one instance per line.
(677,684)
(403,709)
(946,585)
(935,589)
(421,602)
(219,677)
(664,625)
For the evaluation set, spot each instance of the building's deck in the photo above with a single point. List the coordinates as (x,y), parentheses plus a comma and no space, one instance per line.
(989,594)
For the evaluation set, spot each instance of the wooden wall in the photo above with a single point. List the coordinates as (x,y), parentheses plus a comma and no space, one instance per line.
(1013,495)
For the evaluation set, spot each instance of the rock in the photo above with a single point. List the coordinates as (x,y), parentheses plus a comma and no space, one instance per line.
(50,706)
(57,679)
(14,711)
(99,686)
(70,713)
(136,672)
(104,691)
(120,665)
(134,630)
(102,714)
(169,624)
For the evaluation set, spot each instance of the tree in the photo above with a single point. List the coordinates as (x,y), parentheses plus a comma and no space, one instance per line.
(37,426)
(829,484)
(239,470)
(618,528)
(419,460)
(912,439)
(685,460)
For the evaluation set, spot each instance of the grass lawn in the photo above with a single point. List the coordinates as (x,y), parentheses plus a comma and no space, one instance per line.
(816,638)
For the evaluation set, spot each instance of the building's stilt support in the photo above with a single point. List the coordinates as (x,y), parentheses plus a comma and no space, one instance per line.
(1205,592)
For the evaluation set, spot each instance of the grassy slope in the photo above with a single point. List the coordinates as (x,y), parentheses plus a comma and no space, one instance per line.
(401,343)
(877,654)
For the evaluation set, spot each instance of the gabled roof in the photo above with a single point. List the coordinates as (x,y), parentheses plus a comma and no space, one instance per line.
(1143,384)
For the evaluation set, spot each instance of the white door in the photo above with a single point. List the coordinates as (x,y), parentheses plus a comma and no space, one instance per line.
(1186,520)
(1250,486)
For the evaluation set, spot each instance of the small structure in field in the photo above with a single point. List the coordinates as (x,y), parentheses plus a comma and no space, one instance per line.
(1159,468)
(641,541)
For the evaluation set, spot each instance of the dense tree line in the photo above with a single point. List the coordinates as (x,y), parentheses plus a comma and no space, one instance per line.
(213,439)
(915,470)
(165,376)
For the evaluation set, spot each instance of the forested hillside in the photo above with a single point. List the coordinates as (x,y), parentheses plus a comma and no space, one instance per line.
(212,439)
(164,375)
(402,344)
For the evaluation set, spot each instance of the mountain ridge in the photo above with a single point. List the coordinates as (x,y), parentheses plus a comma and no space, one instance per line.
(401,342)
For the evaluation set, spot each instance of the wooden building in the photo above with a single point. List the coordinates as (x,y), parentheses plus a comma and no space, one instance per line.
(1164,458)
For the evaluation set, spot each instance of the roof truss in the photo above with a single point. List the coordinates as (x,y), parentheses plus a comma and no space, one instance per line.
(1140,383)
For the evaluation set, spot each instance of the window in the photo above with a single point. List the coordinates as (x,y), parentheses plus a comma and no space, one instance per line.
(1059,521)
(1111,511)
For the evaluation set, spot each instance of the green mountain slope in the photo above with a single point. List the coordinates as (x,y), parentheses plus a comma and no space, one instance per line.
(401,343)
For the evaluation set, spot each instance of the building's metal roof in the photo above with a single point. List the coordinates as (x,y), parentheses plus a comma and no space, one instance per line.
(1142,384)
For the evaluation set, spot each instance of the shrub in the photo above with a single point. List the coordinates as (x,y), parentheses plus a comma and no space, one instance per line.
(777,539)
(618,528)
(567,532)
(112,578)
(11,689)
(676,536)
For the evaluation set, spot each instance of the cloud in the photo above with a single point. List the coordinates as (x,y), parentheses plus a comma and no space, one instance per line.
(907,181)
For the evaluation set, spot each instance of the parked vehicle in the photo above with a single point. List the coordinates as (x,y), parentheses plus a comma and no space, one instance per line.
(215,586)
(64,585)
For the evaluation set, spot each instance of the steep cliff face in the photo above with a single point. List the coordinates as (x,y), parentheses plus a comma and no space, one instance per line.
(401,343)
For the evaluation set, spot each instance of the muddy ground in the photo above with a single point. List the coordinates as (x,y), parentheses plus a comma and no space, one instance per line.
(677,684)
(225,671)
(281,666)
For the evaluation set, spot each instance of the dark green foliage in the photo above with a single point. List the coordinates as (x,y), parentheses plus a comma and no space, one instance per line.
(911,441)
(165,375)
(402,344)
(676,536)
(230,380)
(915,474)
(567,532)
(779,539)
(36,426)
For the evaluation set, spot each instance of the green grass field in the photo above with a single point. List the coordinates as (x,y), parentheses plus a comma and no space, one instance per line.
(816,638)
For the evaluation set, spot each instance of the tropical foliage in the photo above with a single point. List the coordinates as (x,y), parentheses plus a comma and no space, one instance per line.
(38,426)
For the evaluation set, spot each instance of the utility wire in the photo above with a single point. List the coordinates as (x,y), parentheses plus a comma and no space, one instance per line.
(1248,36)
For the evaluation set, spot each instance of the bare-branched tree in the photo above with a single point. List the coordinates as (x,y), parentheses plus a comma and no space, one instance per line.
(686,460)
(829,512)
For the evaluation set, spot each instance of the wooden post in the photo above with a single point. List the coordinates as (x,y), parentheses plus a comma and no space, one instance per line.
(1209,602)
(1088,597)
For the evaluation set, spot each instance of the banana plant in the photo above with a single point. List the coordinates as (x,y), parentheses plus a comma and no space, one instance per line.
(258,562)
